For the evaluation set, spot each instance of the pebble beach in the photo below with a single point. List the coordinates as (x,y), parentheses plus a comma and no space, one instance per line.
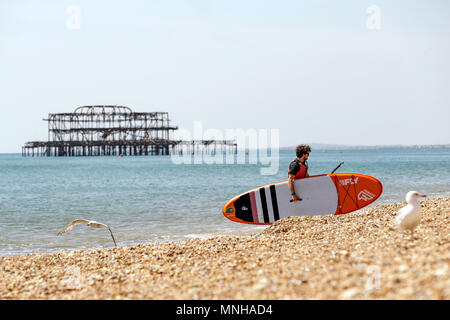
(352,256)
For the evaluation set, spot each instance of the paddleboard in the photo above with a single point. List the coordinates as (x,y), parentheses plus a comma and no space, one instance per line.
(335,193)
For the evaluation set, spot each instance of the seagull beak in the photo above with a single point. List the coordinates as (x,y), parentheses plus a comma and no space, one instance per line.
(423,195)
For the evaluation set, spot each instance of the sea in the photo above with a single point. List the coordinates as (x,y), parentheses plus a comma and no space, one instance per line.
(159,198)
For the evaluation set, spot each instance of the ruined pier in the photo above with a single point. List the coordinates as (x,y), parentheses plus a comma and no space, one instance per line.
(114,131)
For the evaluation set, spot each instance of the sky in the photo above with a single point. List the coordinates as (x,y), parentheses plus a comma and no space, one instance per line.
(334,72)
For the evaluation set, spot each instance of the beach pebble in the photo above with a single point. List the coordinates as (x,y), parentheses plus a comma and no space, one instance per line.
(351,256)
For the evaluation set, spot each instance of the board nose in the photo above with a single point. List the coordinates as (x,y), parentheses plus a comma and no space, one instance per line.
(229,210)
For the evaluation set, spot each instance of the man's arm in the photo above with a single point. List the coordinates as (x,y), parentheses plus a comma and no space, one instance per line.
(291,188)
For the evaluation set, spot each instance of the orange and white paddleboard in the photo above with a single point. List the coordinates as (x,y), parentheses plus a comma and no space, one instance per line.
(335,193)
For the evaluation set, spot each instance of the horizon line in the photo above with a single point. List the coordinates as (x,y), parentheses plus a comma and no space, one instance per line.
(326,146)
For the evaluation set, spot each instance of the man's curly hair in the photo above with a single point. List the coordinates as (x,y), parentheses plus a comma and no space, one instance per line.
(302,149)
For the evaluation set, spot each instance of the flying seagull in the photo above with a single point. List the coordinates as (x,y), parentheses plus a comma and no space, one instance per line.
(408,217)
(91,223)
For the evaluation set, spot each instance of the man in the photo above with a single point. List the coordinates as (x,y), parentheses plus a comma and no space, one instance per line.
(298,168)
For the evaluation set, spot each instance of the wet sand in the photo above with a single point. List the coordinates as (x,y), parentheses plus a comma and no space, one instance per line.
(352,256)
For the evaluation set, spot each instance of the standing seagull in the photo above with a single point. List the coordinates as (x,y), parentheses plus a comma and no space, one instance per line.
(90,223)
(408,218)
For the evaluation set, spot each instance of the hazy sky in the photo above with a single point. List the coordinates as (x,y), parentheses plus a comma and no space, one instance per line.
(319,71)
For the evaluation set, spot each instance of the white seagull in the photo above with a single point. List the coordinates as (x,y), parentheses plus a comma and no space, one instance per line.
(408,217)
(91,223)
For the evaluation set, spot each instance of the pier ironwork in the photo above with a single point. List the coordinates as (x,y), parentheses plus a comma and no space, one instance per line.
(116,130)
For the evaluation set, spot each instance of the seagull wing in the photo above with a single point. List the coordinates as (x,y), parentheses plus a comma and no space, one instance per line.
(70,225)
(402,211)
(400,216)
(95,224)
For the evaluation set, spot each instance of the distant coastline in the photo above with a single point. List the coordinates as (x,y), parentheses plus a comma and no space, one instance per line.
(322,146)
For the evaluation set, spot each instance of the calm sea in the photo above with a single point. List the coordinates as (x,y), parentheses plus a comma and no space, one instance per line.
(150,198)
